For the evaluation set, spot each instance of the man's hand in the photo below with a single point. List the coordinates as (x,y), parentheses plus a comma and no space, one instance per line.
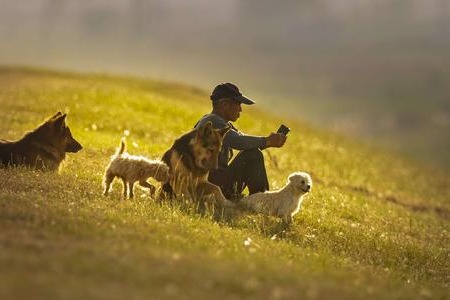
(275,140)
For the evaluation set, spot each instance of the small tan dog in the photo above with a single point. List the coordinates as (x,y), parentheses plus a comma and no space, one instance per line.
(283,203)
(132,169)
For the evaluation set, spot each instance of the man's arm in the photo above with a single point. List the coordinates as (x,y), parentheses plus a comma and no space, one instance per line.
(239,141)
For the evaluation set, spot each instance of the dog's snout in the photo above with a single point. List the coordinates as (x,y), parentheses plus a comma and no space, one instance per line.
(73,147)
(308,188)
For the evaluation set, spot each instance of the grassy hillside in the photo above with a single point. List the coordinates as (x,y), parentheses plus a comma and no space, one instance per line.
(375,226)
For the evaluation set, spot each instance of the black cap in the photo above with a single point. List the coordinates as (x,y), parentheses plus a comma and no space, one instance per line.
(229,90)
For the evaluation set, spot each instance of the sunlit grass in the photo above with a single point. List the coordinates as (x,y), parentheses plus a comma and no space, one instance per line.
(374,226)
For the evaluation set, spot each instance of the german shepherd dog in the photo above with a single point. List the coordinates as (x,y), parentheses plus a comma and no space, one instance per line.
(190,159)
(44,148)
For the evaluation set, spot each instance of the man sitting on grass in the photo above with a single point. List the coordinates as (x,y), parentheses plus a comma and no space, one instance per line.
(247,169)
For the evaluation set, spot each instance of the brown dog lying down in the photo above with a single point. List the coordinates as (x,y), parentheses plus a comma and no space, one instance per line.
(44,148)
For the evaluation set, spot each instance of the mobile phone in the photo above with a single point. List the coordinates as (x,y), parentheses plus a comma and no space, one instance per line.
(283,129)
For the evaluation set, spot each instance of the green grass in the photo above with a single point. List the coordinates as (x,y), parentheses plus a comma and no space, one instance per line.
(375,225)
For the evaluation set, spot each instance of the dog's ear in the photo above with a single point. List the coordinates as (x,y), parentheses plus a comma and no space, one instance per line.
(224,130)
(205,129)
(58,114)
(291,177)
(60,122)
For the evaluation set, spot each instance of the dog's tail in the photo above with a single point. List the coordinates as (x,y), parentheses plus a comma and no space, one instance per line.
(122,148)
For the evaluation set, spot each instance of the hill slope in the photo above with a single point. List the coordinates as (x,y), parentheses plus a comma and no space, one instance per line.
(375,226)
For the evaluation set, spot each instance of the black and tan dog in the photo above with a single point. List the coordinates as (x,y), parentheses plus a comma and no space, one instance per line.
(44,148)
(190,159)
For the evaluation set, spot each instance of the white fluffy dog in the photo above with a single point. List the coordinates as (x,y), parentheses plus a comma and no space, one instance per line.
(131,168)
(283,203)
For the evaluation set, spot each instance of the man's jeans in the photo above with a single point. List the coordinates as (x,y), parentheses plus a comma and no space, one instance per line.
(246,170)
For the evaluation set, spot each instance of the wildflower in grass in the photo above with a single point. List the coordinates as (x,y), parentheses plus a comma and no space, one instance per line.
(250,243)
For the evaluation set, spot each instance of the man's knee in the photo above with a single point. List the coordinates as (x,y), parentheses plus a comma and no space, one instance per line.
(253,155)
